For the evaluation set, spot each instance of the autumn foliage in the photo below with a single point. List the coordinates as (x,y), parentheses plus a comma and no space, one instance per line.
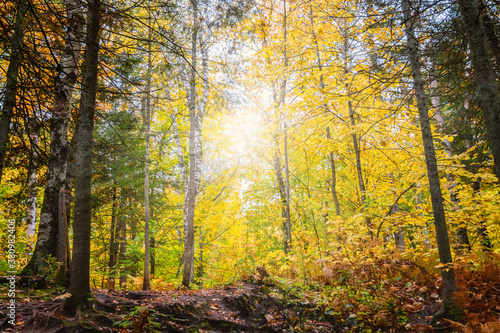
(298,134)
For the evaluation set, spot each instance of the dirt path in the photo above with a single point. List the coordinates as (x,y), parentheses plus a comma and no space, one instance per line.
(240,308)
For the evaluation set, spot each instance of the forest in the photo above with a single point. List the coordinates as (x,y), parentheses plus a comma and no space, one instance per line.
(250,166)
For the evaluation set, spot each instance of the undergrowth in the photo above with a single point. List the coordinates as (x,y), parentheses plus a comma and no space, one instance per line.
(397,292)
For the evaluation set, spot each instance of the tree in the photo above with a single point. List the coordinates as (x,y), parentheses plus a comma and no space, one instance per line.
(196,114)
(443,243)
(59,148)
(146,284)
(484,73)
(32,191)
(11,86)
(79,283)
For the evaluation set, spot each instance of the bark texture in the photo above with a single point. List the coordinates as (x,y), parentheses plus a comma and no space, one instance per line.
(59,149)
(32,194)
(146,284)
(443,243)
(359,170)
(79,283)
(462,238)
(113,241)
(121,235)
(196,114)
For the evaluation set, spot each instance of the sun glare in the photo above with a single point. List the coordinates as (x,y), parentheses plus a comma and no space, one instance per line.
(243,131)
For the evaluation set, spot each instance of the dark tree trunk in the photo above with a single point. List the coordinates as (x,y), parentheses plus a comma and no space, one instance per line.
(491,30)
(484,74)
(443,243)
(9,98)
(146,285)
(359,170)
(152,256)
(63,255)
(484,238)
(333,184)
(79,283)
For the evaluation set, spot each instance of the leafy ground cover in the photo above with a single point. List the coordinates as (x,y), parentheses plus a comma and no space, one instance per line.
(386,295)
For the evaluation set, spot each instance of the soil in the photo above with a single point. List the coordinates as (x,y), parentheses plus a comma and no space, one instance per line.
(244,307)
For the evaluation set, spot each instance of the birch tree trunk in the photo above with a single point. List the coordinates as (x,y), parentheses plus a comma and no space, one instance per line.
(9,98)
(59,149)
(447,273)
(194,131)
(185,182)
(279,103)
(484,74)
(32,194)
(179,153)
(79,283)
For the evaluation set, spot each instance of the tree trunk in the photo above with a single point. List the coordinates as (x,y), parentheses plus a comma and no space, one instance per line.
(359,171)
(491,31)
(196,112)
(288,225)
(146,284)
(9,98)
(282,191)
(484,74)
(121,235)
(190,198)
(357,155)
(113,242)
(152,256)
(283,184)
(281,188)
(63,241)
(32,194)
(79,283)
(448,274)
(333,184)
(398,235)
(200,270)
(179,153)
(462,237)
(58,157)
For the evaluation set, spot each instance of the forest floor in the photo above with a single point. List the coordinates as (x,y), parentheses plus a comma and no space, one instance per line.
(340,301)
